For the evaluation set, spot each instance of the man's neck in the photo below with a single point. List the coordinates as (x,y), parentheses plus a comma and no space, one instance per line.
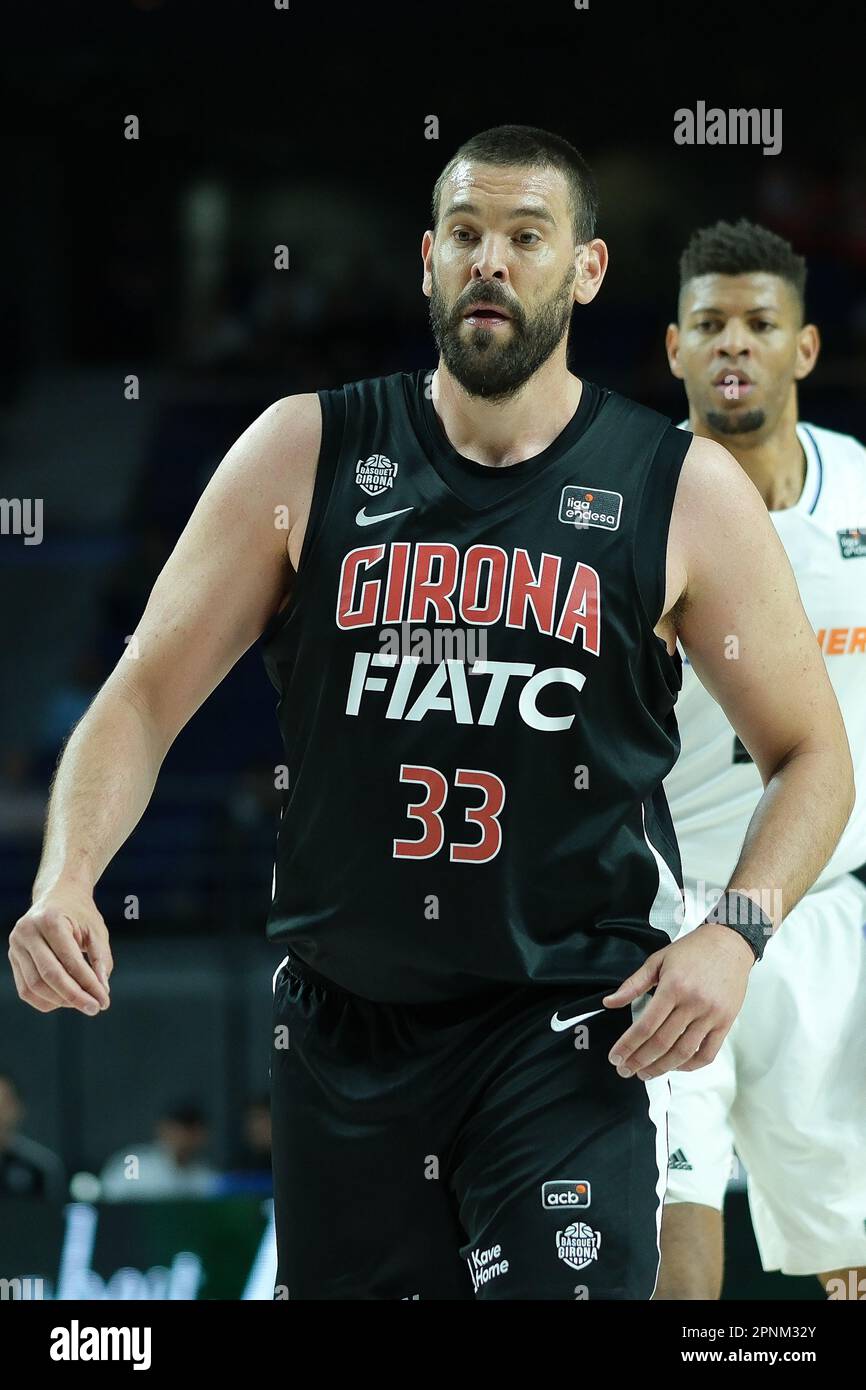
(511,431)
(776,465)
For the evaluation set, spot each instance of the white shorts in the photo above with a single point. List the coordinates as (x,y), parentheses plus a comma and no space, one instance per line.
(788,1089)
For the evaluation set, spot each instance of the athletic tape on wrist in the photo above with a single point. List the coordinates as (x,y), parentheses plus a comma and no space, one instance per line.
(742,914)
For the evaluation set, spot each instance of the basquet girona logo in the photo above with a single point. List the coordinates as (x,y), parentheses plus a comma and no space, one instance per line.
(375,474)
(578,1245)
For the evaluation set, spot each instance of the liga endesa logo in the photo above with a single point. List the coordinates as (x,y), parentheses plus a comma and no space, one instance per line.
(852,542)
(590,506)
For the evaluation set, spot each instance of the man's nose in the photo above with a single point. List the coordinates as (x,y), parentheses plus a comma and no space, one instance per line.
(734,340)
(490,262)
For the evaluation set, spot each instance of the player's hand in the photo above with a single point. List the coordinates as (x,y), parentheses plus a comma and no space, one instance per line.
(60,955)
(700,983)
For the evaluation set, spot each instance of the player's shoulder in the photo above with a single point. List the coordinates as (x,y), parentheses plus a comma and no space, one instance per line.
(288,437)
(714,494)
(380,387)
(711,465)
(298,411)
(289,429)
(276,455)
(625,407)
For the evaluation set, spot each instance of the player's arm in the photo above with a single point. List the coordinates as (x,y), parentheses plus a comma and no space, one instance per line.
(226,576)
(737,611)
(743,626)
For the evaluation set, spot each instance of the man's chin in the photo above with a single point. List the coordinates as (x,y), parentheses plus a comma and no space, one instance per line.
(490,373)
(735,422)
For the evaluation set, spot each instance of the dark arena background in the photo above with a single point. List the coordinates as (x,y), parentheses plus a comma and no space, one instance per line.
(208,207)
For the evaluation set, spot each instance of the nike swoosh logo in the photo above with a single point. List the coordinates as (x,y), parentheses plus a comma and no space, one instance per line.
(559,1025)
(363,520)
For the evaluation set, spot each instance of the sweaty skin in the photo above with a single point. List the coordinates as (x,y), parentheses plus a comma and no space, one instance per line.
(726,573)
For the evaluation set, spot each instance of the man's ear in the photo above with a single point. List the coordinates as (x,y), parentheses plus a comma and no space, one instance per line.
(426,253)
(672,348)
(590,264)
(808,348)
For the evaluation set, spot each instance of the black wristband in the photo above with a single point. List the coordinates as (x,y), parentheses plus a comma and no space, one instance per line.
(742,914)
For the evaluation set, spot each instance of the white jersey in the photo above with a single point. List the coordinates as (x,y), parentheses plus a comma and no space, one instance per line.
(714,787)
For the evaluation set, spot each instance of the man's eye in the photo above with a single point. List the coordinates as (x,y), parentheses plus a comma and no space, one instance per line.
(706,325)
(463,235)
(761,324)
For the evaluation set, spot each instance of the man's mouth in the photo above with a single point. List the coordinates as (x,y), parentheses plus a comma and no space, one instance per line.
(733,383)
(485,315)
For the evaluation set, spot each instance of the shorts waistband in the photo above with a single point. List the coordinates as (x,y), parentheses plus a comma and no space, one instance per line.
(302,971)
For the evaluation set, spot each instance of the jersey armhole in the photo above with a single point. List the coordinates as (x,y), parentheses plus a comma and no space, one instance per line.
(333,403)
(333,406)
(652,526)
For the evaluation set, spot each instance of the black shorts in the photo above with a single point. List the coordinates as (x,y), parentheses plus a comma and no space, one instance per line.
(461,1150)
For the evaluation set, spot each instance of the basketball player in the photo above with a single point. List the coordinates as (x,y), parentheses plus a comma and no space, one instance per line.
(788,1086)
(476,866)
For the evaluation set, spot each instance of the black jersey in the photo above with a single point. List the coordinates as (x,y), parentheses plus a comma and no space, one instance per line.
(476,713)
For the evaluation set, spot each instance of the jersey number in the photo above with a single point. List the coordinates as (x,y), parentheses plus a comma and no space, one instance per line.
(427,811)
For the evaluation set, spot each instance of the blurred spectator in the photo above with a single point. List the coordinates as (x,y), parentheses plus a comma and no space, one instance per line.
(70,699)
(255,1155)
(26,1168)
(169,1167)
(22,796)
(128,586)
(253,802)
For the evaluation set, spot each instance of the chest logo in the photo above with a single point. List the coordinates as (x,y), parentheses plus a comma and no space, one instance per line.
(375,474)
(852,542)
(590,506)
(362,519)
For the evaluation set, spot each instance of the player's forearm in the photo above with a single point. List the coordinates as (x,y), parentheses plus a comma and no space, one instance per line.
(103,784)
(795,828)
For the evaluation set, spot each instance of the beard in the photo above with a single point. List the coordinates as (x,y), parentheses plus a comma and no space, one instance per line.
(746,423)
(485,366)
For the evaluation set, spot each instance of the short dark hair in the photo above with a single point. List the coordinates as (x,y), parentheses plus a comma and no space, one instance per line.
(527,144)
(741,248)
